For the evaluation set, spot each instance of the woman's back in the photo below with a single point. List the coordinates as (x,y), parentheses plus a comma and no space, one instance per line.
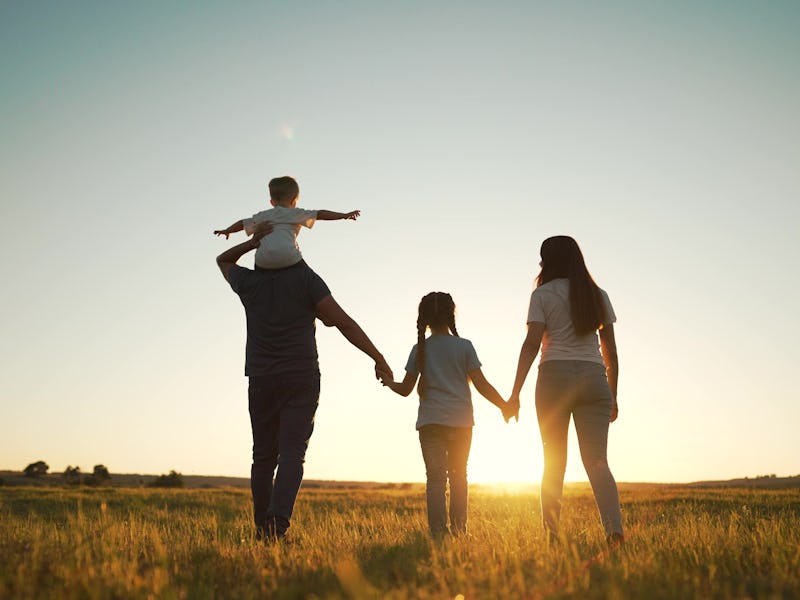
(550,304)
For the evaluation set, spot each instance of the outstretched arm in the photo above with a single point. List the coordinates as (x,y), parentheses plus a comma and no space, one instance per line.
(329,215)
(330,313)
(608,348)
(486,389)
(228,258)
(238,226)
(527,354)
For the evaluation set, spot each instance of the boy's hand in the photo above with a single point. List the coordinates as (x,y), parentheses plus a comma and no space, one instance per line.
(224,232)
(352,215)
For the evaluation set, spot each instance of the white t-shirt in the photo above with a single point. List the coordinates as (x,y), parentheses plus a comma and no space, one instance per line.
(550,305)
(279,249)
(447,399)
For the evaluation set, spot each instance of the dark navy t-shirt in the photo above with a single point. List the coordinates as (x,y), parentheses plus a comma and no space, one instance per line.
(280,306)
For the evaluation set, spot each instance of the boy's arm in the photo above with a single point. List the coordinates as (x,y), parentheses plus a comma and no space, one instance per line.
(238,226)
(404,387)
(329,215)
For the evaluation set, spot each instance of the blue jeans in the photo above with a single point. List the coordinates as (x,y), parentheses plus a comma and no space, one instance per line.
(445,451)
(576,389)
(282,412)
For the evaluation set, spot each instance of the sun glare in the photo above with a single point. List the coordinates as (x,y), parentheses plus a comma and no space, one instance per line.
(287,131)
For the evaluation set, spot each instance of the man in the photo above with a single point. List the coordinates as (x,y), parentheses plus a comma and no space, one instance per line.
(281,306)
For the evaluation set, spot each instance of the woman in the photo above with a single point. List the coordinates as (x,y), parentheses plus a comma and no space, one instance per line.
(566,311)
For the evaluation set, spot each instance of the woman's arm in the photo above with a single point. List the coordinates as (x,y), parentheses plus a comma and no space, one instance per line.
(527,354)
(404,387)
(608,348)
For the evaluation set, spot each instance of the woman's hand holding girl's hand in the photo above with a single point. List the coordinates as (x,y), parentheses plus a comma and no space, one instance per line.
(511,409)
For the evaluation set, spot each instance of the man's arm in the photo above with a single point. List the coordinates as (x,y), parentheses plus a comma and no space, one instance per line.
(330,313)
(238,226)
(228,258)
(329,215)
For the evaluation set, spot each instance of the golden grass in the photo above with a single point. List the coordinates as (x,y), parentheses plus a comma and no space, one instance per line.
(372,543)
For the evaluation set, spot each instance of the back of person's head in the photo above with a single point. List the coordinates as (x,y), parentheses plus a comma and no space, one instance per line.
(562,259)
(436,309)
(283,189)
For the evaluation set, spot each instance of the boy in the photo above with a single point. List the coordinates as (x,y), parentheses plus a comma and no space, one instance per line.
(279,249)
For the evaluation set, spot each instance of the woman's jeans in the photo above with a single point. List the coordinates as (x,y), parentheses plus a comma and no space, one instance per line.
(282,412)
(577,389)
(445,451)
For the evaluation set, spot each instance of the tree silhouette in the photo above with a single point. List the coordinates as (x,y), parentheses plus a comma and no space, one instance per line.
(99,476)
(72,475)
(173,480)
(36,469)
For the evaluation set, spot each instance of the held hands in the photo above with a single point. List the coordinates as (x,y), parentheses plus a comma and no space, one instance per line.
(511,409)
(383,372)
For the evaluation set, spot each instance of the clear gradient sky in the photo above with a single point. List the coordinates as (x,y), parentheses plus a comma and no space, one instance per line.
(664,137)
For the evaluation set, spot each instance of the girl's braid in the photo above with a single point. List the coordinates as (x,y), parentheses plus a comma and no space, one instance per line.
(452,315)
(422,325)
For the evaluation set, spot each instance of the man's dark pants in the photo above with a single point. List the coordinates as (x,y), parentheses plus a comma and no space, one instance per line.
(282,411)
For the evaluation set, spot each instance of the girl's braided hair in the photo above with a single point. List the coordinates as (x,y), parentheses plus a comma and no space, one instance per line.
(436,309)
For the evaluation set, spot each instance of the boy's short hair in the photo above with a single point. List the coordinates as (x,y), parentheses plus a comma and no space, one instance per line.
(283,188)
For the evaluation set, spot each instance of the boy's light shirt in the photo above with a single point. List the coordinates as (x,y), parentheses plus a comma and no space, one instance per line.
(279,248)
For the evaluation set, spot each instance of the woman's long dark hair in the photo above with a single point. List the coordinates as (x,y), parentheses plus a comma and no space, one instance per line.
(436,309)
(562,258)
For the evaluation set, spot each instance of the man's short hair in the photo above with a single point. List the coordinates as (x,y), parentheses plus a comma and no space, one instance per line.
(283,188)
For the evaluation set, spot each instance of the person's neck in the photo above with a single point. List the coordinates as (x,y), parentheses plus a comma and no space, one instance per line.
(444,330)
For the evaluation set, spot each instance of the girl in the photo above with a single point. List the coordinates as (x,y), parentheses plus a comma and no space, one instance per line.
(566,311)
(445,364)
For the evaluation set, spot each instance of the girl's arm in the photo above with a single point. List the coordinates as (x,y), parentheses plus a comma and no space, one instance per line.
(404,387)
(527,354)
(238,226)
(486,389)
(608,348)
(329,215)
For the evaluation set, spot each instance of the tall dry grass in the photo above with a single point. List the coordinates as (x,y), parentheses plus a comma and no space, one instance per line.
(372,543)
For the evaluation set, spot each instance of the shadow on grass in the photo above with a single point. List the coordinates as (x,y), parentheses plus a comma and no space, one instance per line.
(395,565)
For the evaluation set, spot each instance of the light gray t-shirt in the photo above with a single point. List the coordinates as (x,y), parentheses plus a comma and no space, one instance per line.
(446,398)
(279,249)
(550,305)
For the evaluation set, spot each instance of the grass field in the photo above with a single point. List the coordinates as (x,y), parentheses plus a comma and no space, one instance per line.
(372,543)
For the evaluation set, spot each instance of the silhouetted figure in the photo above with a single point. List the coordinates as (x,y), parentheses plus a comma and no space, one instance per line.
(281,306)
(280,249)
(577,378)
(445,363)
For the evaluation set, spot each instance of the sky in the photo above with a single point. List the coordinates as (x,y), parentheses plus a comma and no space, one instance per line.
(664,137)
